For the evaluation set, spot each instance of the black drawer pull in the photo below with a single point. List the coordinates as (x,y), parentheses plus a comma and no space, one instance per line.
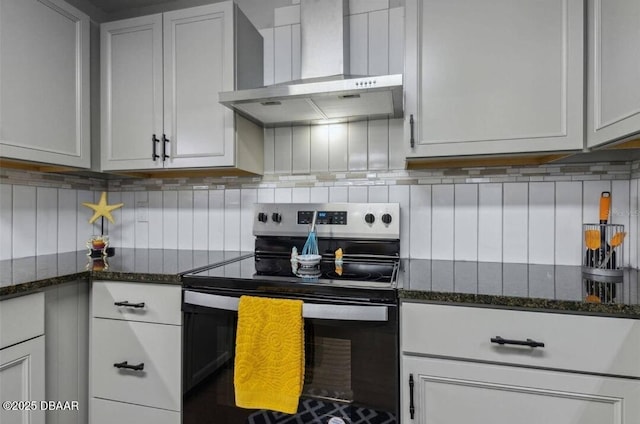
(531,343)
(412,140)
(412,408)
(129,305)
(165,140)
(154,154)
(125,365)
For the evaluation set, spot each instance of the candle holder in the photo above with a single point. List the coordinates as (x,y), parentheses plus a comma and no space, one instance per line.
(98,246)
(97,264)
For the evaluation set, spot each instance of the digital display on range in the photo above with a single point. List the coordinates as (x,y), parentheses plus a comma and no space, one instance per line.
(323,218)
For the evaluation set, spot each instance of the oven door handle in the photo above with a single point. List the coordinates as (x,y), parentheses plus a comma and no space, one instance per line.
(309,310)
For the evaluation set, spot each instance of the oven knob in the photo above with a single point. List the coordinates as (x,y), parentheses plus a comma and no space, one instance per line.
(276,217)
(262,217)
(369,218)
(386,218)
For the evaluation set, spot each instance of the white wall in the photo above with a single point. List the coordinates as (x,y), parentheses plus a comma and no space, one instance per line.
(44,220)
(520,222)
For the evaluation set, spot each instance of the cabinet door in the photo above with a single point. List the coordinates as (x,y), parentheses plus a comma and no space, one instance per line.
(494,76)
(453,392)
(22,379)
(131,93)
(198,63)
(44,82)
(614,70)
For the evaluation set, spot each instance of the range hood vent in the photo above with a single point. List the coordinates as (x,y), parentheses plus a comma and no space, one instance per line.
(326,93)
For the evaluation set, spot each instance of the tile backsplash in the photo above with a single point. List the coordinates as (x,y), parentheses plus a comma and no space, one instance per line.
(42,213)
(519,215)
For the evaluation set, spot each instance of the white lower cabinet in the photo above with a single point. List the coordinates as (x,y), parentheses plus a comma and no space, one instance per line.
(583,369)
(452,392)
(22,380)
(108,412)
(22,362)
(154,349)
(136,353)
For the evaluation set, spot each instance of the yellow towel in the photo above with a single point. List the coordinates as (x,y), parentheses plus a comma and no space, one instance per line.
(269,362)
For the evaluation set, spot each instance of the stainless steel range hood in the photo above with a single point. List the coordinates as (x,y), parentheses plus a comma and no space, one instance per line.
(326,93)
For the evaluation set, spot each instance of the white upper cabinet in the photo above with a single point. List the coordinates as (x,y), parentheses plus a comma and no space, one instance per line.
(161,75)
(614,70)
(44,82)
(494,76)
(131,76)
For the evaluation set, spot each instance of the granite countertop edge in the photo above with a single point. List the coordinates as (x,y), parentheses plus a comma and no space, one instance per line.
(522,303)
(34,286)
(494,301)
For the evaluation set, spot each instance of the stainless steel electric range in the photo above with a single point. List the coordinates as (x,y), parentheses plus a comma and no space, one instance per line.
(350,310)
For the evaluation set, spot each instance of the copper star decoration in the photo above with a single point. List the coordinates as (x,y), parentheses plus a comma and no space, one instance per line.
(102,209)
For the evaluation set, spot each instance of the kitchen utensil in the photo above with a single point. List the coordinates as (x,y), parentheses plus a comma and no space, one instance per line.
(605,205)
(311,245)
(615,241)
(592,239)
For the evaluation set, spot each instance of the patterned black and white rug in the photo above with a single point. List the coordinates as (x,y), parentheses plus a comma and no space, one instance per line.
(313,411)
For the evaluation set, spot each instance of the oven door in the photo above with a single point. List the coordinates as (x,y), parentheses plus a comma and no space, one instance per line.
(351,363)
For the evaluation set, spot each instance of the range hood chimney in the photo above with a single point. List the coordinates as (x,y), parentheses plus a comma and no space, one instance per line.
(326,93)
(324,38)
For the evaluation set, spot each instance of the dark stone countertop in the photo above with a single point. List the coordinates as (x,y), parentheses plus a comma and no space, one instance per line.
(551,288)
(25,275)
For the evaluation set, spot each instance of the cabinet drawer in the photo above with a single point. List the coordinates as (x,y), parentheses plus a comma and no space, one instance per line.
(571,342)
(162,302)
(108,412)
(156,346)
(21,318)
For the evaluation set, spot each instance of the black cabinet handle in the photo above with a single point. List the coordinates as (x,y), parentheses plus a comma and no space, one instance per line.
(165,140)
(412,140)
(129,305)
(412,408)
(531,343)
(154,140)
(125,365)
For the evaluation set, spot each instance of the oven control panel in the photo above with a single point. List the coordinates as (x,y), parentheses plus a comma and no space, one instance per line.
(348,220)
(323,218)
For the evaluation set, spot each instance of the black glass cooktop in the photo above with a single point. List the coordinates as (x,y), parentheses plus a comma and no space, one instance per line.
(353,277)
